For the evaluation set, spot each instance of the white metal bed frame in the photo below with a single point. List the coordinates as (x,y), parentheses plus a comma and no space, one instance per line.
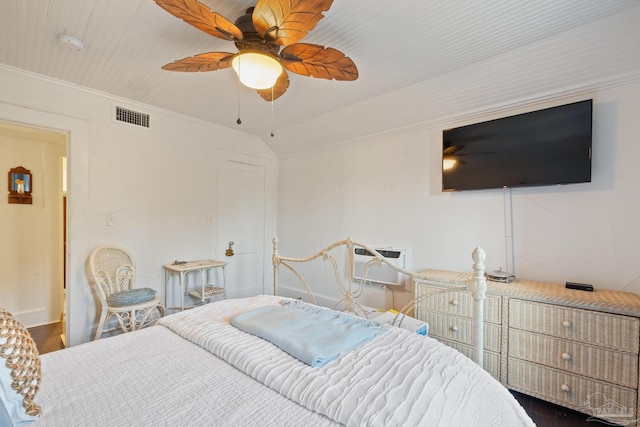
(353,289)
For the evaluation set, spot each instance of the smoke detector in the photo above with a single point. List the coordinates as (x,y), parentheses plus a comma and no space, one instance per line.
(70,42)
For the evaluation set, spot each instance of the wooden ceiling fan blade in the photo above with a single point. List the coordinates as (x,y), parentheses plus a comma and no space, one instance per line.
(201,17)
(284,22)
(317,61)
(281,86)
(211,61)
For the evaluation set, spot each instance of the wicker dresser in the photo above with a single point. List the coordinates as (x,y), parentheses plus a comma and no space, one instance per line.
(450,318)
(574,348)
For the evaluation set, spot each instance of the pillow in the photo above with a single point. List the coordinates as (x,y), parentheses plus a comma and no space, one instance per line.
(131,297)
(19,373)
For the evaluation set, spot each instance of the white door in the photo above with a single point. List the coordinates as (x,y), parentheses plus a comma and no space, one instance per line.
(242,221)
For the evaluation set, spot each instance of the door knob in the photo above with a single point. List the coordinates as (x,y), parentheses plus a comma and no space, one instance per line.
(229,251)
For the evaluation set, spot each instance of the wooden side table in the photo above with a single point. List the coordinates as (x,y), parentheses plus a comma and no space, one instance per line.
(206,291)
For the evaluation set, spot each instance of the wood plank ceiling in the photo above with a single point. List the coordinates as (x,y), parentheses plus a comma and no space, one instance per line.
(415,59)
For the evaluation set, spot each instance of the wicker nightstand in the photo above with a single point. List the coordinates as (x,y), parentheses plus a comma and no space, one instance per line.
(206,290)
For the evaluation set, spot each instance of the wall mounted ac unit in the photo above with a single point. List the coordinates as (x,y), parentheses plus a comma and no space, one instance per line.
(381,274)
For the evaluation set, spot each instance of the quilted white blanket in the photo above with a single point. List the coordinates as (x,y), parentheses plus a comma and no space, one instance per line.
(153,377)
(397,379)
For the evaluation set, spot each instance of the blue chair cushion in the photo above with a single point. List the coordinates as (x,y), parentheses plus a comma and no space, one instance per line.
(131,297)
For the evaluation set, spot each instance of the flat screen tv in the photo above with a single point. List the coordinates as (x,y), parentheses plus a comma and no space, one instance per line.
(545,147)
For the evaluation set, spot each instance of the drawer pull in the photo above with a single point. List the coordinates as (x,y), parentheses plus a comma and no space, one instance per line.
(455,302)
(454,328)
(566,356)
(565,388)
(566,324)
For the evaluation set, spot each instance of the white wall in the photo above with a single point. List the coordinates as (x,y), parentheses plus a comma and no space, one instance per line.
(161,182)
(385,190)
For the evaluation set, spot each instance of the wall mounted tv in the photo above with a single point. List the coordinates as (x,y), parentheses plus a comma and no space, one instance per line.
(545,147)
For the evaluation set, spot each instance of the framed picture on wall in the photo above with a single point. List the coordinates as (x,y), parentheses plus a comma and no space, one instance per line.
(20,186)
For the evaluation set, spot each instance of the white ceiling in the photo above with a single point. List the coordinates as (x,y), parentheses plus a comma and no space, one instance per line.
(395,44)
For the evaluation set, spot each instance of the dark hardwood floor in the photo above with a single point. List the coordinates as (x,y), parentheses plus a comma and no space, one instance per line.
(47,337)
(544,414)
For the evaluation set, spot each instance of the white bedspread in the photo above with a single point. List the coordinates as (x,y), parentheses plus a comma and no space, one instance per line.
(397,379)
(153,377)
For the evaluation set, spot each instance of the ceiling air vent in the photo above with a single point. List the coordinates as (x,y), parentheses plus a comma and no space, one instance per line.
(132,117)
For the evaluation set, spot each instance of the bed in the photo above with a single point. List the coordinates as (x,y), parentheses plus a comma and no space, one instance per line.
(200,367)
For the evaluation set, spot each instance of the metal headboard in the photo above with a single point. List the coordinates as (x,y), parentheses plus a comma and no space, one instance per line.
(351,290)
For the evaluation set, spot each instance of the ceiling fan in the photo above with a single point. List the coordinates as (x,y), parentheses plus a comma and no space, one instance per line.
(260,35)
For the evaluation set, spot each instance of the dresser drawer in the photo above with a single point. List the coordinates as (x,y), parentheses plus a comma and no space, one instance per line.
(460,329)
(595,362)
(606,330)
(582,394)
(490,360)
(459,303)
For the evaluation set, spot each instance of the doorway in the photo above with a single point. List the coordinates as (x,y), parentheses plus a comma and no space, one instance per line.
(32,259)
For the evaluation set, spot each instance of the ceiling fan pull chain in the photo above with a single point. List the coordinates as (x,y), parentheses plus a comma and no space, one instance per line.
(239,121)
(272,132)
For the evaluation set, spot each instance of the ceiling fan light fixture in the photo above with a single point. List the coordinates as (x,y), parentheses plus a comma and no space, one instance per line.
(256,70)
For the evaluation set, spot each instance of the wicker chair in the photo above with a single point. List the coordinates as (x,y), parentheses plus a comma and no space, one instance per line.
(113,271)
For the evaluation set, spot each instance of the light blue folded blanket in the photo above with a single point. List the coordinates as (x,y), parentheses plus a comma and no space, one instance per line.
(312,334)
